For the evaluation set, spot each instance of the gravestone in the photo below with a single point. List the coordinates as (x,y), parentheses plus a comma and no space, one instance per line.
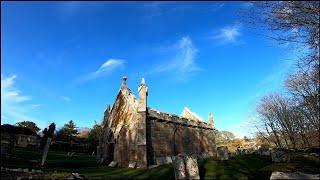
(179,167)
(113,164)
(77,176)
(185,167)
(132,165)
(293,175)
(191,167)
(222,153)
(45,152)
(280,156)
(164,160)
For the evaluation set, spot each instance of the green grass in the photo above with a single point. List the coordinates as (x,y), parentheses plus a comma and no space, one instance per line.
(240,167)
(302,162)
(59,165)
(54,159)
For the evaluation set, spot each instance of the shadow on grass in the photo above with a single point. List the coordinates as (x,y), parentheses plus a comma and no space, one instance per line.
(240,167)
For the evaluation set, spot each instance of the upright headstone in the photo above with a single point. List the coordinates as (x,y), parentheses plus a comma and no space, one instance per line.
(191,167)
(185,167)
(280,156)
(222,153)
(179,167)
(113,164)
(45,152)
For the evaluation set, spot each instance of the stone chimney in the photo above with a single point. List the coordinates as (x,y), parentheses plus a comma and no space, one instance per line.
(124,82)
(211,119)
(143,93)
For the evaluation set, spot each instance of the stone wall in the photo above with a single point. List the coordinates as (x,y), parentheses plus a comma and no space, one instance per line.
(136,136)
(168,139)
(123,140)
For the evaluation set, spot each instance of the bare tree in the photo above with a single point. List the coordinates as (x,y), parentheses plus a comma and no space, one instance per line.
(291,119)
(288,22)
(282,121)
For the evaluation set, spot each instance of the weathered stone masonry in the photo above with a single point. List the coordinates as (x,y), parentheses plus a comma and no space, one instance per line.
(136,135)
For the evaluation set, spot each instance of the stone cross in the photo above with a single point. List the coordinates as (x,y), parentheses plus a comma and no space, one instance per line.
(124,83)
(45,152)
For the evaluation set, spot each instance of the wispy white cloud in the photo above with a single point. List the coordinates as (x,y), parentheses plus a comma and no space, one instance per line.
(15,106)
(65,98)
(70,9)
(106,68)
(228,35)
(158,9)
(277,75)
(182,64)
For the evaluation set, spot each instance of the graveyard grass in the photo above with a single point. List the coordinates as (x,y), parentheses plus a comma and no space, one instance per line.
(59,165)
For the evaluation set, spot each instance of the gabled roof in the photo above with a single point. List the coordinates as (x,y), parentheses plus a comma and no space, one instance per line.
(155,114)
(187,117)
(187,113)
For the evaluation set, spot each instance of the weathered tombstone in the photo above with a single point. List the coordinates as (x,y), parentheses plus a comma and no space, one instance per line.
(185,167)
(77,176)
(45,152)
(163,160)
(100,161)
(266,153)
(280,156)
(179,167)
(113,164)
(222,153)
(132,165)
(293,175)
(191,167)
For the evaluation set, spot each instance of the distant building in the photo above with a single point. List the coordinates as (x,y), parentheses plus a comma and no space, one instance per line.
(137,135)
(19,136)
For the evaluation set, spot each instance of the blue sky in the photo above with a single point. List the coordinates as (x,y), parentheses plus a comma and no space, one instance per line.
(65,60)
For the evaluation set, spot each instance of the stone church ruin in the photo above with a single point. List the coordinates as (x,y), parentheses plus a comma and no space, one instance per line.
(135,135)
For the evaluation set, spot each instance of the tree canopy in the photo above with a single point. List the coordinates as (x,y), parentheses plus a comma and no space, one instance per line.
(29,124)
(68,132)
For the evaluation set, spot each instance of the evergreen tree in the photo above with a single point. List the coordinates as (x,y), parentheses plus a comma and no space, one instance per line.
(69,131)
